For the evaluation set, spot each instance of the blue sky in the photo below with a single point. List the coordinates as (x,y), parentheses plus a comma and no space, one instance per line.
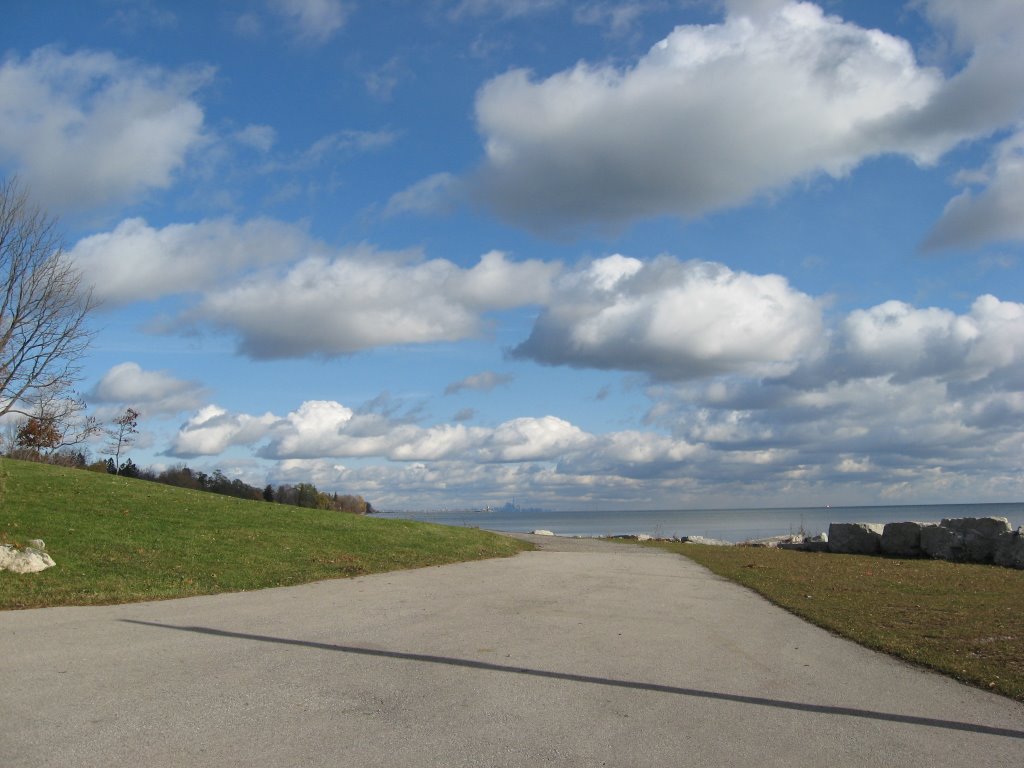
(607,254)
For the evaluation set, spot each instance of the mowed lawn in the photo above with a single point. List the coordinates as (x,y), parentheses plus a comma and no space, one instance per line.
(965,620)
(120,540)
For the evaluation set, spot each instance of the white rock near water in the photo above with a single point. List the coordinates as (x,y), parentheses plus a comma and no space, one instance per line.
(32,559)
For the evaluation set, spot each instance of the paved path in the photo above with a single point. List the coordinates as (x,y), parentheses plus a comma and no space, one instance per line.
(597,655)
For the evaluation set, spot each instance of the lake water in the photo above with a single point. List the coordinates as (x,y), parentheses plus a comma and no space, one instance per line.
(726,524)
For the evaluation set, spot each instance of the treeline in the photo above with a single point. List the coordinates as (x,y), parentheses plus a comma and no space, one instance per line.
(181,476)
(301,495)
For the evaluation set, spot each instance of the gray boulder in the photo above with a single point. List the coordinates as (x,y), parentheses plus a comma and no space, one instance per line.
(943,543)
(983,526)
(980,536)
(1010,551)
(817,543)
(903,539)
(855,538)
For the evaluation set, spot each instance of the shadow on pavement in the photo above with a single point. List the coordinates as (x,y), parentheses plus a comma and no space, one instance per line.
(570,677)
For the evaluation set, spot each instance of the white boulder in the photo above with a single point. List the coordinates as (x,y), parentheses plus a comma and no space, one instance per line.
(28,560)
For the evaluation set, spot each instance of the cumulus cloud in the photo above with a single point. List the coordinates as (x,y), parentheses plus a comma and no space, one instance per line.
(88,128)
(905,399)
(481,382)
(988,93)
(313,21)
(366,298)
(991,214)
(907,343)
(212,430)
(675,320)
(905,403)
(181,258)
(150,392)
(327,429)
(320,432)
(326,301)
(715,115)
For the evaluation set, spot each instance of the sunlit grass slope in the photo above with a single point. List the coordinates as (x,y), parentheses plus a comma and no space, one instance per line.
(119,540)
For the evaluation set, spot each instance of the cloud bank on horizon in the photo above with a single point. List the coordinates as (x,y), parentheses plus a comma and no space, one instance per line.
(604,254)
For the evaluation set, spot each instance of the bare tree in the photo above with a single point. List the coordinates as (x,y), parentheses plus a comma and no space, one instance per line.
(64,415)
(43,307)
(121,434)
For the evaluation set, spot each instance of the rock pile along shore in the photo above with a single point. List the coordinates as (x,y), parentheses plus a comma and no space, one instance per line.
(959,539)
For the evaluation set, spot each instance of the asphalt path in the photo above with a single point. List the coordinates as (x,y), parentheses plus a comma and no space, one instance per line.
(580,654)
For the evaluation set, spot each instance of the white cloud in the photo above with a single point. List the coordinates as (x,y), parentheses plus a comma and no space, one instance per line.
(258,137)
(619,17)
(150,392)
(533,439)
(313,21)
(135,261)
(675,320)
(908,403)
(715,115)
(435,194)
(326,429)
(366,298)
(328,148)
(992,214)
(326,302)
(911,401)
(213,430)
(481,382)
(382,81)
(87,128)
(897,340)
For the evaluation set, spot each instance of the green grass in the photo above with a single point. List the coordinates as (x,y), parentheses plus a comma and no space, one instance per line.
(118,540)
(961,619)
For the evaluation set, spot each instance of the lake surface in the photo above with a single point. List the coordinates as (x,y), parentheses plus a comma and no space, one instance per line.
(726,524)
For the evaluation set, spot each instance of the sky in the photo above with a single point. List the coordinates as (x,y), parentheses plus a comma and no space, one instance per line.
(612,254)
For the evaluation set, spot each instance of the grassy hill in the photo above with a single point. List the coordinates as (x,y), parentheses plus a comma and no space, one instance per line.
(120,540)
